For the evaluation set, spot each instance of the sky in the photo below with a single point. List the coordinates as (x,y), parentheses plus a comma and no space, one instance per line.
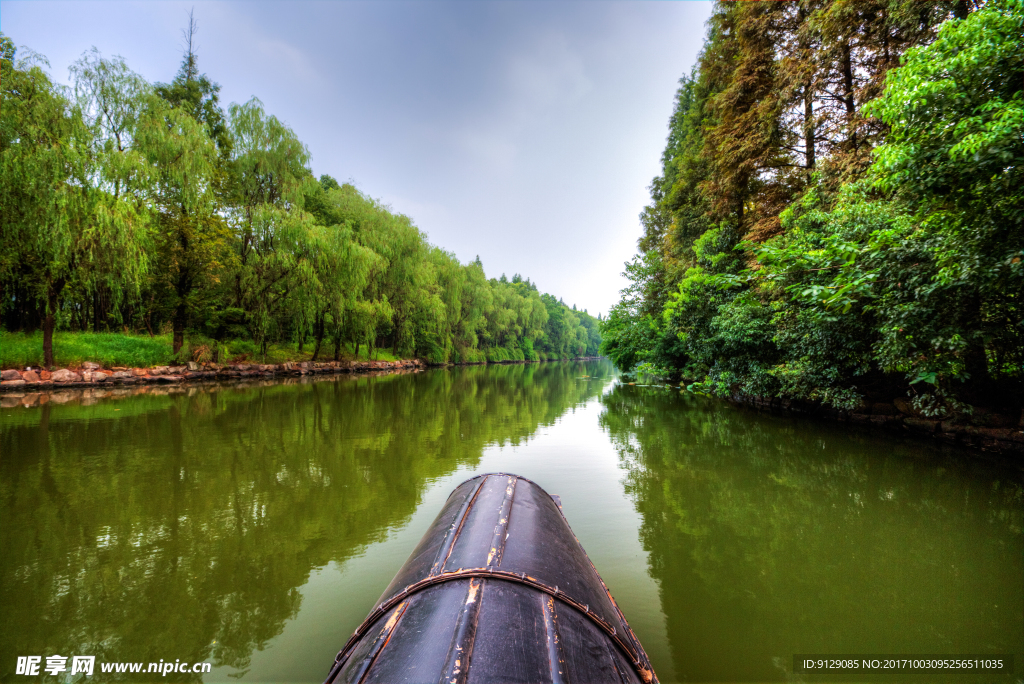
(525,132)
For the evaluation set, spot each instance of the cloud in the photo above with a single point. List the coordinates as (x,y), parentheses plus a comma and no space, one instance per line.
(545,75)
(489,149)
(289,61)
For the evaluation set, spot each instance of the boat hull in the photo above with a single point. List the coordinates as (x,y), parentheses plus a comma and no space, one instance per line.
(498,590)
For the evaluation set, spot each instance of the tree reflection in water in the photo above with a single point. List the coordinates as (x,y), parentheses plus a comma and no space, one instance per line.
(183,525)
(771,536)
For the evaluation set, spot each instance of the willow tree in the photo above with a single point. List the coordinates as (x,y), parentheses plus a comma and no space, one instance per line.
(405,272)
(61,219)
(331,290)
(268,176)
(112,99)
(439,306)
(476,300)
(393,294)
(361,309)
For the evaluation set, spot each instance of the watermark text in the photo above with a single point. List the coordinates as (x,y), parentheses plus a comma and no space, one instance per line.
(34,666)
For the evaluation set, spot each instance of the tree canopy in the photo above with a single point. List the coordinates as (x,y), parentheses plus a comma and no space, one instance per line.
(839,217)
(133,206)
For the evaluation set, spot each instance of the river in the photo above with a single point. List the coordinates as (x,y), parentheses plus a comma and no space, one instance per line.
(253,527)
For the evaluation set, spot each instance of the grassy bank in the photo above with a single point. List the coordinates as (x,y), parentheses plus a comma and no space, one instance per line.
(71,349)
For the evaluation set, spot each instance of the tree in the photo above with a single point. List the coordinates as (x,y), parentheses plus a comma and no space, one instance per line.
(112,99)
(769,266)
(955,160)
(196,94)
(190,235)
(192,240)
(476,301)
(60,220)
(749,173)
(333,288)
(915,270)
(143,205)
(269,174)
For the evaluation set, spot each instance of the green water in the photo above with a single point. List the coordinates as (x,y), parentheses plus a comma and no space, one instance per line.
(254,527)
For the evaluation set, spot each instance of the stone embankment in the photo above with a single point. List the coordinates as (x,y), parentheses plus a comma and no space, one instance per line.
(983,429)
(92,374)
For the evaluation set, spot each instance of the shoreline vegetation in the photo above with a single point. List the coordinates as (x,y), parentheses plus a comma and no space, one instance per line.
(150,209)
(124,359)
(90,381)
(21,351)
(838,227)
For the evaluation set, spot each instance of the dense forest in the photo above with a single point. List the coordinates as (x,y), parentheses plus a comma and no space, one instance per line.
(135,207)
(840,213)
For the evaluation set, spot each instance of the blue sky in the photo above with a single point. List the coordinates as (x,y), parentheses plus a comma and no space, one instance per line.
(525,131)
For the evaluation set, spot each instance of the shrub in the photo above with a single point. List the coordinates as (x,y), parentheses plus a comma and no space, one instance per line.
(241,350)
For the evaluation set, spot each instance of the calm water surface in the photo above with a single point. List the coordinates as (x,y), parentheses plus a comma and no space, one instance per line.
(255,527)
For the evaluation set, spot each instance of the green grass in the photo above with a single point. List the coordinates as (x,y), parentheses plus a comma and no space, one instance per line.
(243,350)
(18,350)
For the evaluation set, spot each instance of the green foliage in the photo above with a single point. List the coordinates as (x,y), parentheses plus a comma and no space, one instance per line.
(19,350)
(273,237)
(627,339)
(63,221)
(134,206)
(902,275)
(242,350)
(631,330)
(470,356)
(501,354)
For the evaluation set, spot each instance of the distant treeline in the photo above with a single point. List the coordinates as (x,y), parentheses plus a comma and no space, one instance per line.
(138,207)
(840,214)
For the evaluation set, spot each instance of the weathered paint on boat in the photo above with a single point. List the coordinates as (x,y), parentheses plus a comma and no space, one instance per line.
(498,590)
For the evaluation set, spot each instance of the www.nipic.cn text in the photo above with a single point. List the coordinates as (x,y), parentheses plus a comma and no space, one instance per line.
(85,665)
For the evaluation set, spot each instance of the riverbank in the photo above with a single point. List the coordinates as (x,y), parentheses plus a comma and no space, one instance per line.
(87,387)
(89,393)
(93,375)
(90,374)
(984,429)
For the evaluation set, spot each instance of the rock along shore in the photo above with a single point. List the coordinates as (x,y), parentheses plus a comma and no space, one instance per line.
(93,375)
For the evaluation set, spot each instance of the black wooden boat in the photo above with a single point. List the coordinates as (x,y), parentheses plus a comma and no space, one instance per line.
(498,590)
